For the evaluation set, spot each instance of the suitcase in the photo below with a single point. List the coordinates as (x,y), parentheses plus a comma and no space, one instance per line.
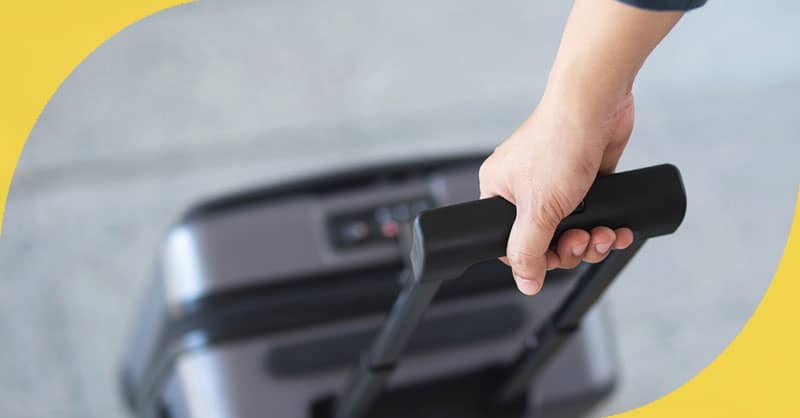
(263,303)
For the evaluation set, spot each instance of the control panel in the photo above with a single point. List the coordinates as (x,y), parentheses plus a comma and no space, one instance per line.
(381,223)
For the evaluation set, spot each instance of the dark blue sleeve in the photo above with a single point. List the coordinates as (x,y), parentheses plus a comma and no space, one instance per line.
(666,4)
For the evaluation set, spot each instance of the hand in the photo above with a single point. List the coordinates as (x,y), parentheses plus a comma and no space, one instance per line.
(578,131)
(545,168)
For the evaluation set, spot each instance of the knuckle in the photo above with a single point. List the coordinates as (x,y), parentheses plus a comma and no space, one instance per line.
(552,208)
(519,256)
(522,261)
(483,170)
(483,178)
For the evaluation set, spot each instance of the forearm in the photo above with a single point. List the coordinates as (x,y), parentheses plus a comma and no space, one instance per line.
(605,43)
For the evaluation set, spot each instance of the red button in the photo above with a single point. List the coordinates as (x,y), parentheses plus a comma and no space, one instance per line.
(390,229)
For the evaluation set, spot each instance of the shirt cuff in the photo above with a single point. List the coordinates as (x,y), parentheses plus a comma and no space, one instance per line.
(664,5)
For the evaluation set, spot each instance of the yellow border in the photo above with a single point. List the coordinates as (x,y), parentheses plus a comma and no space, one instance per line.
(758,374)
(41,42)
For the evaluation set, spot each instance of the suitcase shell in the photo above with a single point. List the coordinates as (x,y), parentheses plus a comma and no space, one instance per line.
(261,301)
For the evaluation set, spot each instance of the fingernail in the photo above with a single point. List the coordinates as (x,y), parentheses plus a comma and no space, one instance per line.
(528,287)
(578,250)
(618,247)
(603,248)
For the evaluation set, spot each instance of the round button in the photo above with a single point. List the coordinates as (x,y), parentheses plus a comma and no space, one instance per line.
(390,229)
(354,231)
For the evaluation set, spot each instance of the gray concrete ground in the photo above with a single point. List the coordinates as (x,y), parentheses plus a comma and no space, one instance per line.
(212,97)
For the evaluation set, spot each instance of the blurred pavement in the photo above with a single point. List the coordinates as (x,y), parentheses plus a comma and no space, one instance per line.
(212,97)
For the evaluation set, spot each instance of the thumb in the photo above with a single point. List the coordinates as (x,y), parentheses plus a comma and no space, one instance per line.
(528,245)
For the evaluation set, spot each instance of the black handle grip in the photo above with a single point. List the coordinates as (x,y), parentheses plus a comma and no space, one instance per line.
(446,241)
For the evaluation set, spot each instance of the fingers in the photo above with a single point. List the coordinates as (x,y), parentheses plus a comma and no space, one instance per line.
(552,260)
(624,238)
(571,247)
(574,246)
(600,245)
(577,245)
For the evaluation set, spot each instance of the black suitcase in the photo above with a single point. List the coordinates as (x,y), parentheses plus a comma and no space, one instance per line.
(264,302)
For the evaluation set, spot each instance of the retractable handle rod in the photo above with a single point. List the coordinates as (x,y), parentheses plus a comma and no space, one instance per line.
(448,240)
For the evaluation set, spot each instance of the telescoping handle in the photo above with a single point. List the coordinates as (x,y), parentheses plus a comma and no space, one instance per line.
(446,241)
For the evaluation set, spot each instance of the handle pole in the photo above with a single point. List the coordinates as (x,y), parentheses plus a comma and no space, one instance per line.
(561,324)
(378,363)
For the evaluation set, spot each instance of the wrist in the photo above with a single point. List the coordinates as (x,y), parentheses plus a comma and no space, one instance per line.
(592,99)
(595,109)
(590,94)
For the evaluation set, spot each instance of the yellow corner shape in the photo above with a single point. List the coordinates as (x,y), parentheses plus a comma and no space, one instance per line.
(41,43)
(758,374)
